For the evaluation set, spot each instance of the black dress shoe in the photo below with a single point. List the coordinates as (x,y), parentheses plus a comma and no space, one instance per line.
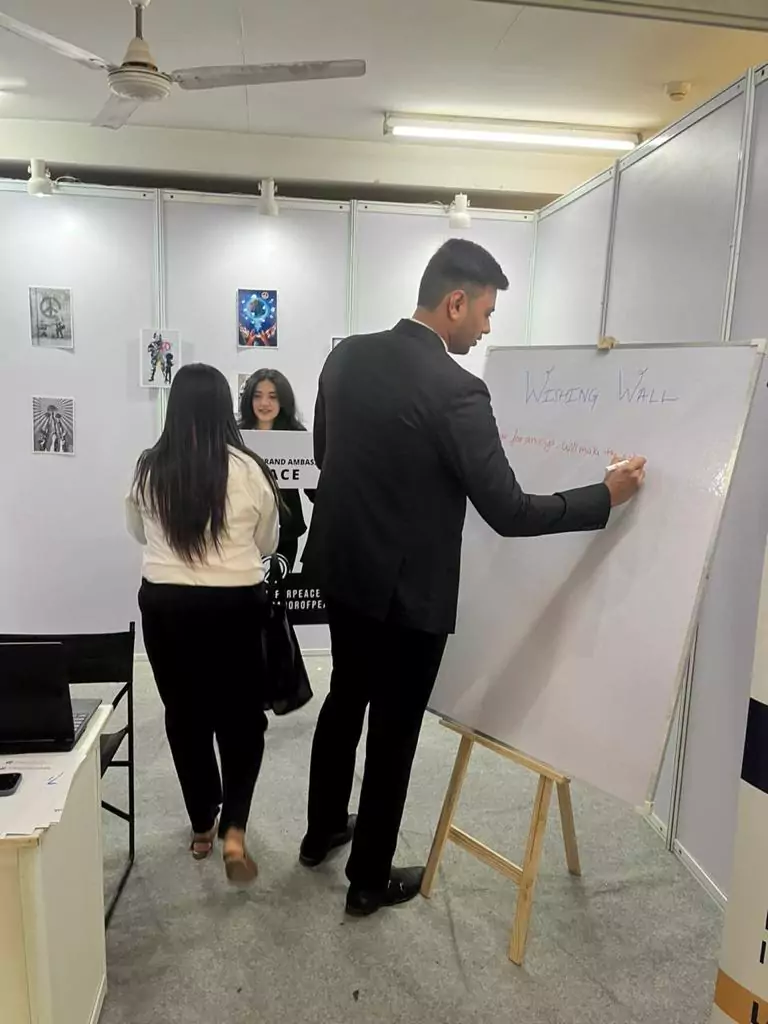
(404,885)
(313,853)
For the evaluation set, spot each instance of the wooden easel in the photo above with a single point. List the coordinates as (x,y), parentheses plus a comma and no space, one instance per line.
(524,877)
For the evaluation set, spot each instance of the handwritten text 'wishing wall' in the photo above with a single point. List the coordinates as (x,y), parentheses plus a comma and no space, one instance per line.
(630,389)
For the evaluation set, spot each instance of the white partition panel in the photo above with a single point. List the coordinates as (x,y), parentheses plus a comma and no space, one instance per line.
(750,314)
(570,264)
(394,244)
(674,229)
(217,245)
(66,561)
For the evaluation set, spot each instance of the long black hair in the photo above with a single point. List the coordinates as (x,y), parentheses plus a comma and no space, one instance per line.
(182,480)
(286,419)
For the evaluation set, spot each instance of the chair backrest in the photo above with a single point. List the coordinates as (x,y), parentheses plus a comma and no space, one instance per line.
(90,657)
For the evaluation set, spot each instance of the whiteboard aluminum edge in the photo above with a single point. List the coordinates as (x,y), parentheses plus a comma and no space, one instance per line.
(759,344)
(759,347)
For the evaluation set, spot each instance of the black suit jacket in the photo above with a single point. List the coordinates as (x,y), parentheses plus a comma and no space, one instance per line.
(403,436)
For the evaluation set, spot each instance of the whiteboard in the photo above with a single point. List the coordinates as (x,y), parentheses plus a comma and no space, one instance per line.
(725,650)
(393,246)
(570,648)
(673,234)
(569,269)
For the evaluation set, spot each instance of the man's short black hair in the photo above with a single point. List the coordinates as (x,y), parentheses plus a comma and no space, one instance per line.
(459,265)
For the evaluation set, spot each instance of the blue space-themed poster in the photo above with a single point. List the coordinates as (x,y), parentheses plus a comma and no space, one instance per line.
(256,318)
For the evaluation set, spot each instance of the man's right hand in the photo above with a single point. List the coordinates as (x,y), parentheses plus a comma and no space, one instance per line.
(625,480)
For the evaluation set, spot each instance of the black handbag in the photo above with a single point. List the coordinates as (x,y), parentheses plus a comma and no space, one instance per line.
(286,683)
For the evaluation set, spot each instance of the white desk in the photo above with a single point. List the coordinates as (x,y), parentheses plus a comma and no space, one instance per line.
(53,967)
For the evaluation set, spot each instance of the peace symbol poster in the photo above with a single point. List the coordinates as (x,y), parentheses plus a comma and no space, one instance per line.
(50,317)
(256,318)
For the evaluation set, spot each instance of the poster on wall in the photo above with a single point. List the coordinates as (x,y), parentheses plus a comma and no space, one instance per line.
(256,318)
(160,358)
(50,318)
(239,387)
(53,425)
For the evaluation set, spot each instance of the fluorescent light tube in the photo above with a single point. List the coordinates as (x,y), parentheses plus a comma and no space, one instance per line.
(510,133)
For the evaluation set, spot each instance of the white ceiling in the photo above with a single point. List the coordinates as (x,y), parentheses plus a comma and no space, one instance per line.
(426,56)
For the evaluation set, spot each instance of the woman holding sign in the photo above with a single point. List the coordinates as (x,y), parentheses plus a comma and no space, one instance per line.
(268,403)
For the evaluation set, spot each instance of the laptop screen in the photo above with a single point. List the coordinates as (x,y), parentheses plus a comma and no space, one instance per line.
(34,693)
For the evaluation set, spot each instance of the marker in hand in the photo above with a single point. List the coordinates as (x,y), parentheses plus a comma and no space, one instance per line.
(624,478)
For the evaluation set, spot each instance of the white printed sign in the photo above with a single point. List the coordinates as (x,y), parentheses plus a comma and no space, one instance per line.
(289,455)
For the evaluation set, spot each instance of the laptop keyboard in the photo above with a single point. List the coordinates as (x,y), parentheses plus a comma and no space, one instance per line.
(79,718)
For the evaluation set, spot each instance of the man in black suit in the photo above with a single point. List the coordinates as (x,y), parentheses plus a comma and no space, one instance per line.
(403,437)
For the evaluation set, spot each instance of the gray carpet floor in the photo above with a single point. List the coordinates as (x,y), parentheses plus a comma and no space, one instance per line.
(635,940)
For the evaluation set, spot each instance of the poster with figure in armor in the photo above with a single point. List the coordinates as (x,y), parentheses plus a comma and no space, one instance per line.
(53,425)
(50,318)
(238,389)
(160,358)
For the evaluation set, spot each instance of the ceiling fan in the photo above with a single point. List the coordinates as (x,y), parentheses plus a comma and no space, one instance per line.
(137,80)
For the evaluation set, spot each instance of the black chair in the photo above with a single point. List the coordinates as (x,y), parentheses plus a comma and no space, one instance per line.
(104,658)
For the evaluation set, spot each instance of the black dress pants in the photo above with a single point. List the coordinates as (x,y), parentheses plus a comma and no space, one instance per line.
(202,644)
(389,669)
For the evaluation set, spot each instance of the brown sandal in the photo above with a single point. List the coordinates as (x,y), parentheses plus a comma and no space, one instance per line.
(201,844)
(240,867)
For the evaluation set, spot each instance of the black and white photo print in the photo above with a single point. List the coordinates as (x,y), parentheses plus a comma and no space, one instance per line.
(50,317)
(53,425)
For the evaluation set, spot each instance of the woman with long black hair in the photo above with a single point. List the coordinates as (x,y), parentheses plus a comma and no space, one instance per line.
(268,403)
(206,510)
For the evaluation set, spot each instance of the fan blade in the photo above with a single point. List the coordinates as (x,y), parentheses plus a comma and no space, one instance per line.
(115,112)
(266,74)
(35,35)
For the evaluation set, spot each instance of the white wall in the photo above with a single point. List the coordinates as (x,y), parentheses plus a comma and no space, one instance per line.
(572,239)
(214,247)
(133,259)
(674,230)
(66,562)
(407,237)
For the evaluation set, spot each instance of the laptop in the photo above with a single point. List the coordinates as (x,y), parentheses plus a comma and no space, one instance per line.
(37,713)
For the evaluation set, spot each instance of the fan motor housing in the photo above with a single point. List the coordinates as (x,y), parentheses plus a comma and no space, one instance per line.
(137,83)
(137,78)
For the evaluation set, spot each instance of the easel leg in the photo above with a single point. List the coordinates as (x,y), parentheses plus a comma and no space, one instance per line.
(533,851)
(569,827)
(447,813)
